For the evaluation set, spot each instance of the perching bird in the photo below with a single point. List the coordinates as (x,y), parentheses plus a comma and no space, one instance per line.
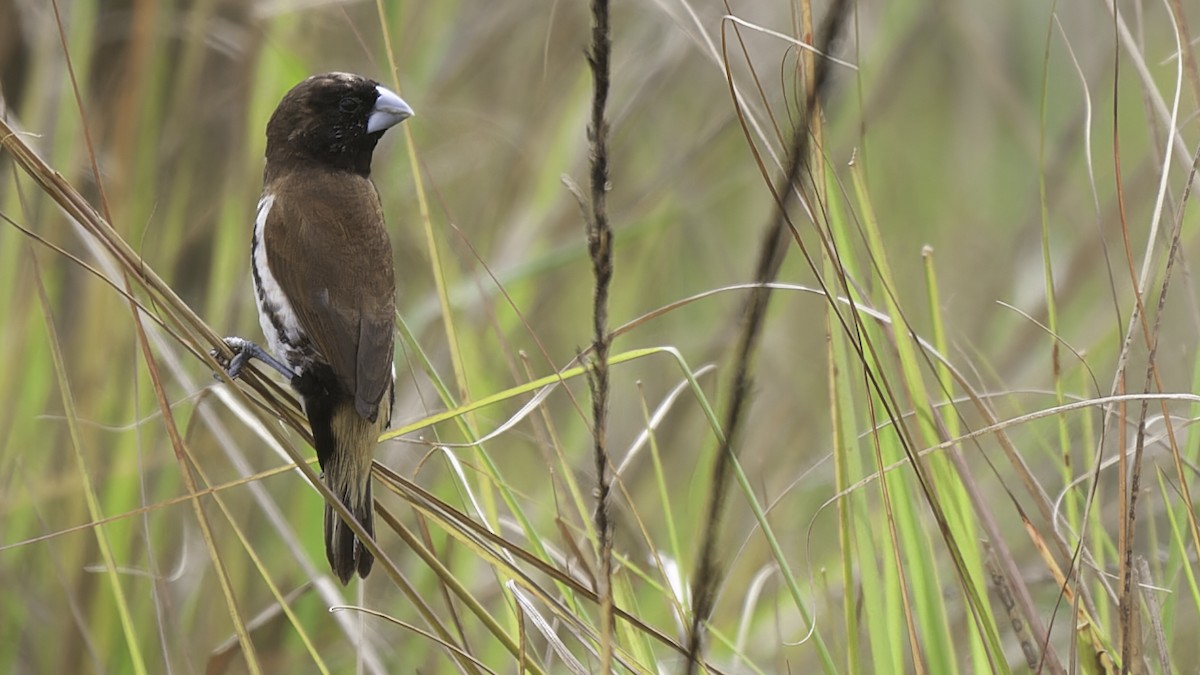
(326,290)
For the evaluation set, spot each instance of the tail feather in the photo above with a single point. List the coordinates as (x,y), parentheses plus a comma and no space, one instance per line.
(345,552)
(347,474)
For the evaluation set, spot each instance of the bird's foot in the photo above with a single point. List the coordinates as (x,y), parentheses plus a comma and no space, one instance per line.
(244,350)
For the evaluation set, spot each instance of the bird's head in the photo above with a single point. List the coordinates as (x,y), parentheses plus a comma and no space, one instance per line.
(334,119)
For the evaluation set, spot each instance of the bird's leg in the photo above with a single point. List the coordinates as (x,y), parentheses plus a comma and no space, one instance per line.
(244,350)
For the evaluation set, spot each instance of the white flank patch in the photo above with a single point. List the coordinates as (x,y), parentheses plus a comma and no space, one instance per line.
(271,294)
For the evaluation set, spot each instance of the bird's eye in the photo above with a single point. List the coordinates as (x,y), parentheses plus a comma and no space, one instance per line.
(349,105)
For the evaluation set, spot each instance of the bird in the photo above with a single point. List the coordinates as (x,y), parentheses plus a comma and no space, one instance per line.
(324,284)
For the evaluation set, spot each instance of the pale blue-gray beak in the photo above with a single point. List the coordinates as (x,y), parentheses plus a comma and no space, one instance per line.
(389,111)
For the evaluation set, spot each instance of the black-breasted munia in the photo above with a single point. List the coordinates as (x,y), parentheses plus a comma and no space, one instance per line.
(325,285)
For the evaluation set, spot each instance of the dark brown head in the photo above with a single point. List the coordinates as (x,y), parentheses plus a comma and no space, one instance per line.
(335,120)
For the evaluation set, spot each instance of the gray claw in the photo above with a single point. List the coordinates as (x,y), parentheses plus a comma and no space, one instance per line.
(244,350)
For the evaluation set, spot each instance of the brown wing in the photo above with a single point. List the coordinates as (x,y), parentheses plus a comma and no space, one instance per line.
(328,247)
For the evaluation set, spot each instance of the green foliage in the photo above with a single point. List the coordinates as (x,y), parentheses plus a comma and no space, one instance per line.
(936,467)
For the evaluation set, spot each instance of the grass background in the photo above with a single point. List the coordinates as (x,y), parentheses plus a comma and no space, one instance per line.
(986,140)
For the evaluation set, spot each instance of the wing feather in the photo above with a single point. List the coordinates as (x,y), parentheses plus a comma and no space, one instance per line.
(328,247)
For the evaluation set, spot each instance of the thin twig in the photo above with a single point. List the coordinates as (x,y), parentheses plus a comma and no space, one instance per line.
(770,259)
(599,237)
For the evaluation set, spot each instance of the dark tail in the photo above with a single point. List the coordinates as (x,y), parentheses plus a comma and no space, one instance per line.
(345,552)
(345,442)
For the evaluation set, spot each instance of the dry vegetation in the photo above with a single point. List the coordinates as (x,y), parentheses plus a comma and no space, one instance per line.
(1040,470)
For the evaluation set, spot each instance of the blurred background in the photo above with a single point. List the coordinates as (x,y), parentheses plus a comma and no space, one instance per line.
(985,136)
